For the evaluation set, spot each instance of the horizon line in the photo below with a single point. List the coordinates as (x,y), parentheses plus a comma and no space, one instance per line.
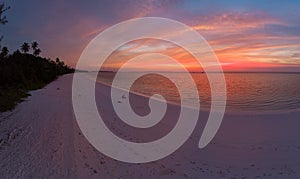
(112,71)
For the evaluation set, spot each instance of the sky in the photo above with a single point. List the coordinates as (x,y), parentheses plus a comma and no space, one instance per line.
(256,35)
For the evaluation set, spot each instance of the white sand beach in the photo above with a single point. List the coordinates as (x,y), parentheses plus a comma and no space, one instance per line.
(41,138)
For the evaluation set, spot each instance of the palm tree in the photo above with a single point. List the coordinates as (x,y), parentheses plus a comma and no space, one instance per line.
(57,60)
(34,45)
(4,52)
(37,52)
(25,47)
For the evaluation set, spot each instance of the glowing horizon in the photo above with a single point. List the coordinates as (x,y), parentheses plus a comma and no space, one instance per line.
(249,36)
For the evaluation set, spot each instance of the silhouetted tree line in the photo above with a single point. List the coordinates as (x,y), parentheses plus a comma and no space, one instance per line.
(21,72)
(26,70)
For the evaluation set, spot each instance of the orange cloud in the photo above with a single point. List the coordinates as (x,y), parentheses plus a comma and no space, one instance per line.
(233,21)
(241,41)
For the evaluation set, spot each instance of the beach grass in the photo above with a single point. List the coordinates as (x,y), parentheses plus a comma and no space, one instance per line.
(11,96)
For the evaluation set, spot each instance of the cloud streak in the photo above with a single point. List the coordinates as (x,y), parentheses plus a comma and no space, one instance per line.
(239,34)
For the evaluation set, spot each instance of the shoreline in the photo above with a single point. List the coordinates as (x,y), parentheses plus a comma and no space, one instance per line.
(42,139)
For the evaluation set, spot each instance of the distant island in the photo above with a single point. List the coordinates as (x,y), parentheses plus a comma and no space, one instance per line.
(21,72)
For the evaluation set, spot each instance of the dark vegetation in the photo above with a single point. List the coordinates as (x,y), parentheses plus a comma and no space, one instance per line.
(22,72)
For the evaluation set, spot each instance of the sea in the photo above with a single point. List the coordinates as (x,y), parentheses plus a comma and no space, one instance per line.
(245,92)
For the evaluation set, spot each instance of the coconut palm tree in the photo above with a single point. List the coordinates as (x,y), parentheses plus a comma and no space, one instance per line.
(4,52)
(37,52)
(25,47)
(57,60)
(34,45)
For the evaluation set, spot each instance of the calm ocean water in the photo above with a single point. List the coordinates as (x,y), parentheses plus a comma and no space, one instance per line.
(248,92)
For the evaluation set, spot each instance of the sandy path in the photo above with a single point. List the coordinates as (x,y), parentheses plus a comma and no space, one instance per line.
(41,138)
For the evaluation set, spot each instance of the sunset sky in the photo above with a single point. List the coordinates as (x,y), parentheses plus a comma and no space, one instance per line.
(246,36)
